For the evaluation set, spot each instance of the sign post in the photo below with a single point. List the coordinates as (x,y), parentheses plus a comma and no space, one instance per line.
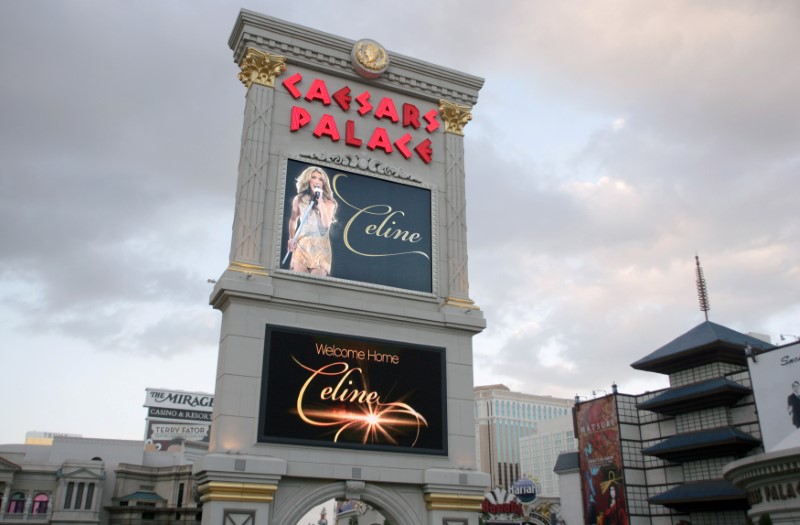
(348,373)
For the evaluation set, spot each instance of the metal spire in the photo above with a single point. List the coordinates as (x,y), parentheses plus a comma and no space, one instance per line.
(702,290)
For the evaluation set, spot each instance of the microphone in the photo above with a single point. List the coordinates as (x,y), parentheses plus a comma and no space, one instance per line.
(317,193)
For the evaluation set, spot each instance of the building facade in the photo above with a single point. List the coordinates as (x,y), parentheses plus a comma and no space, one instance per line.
(772,480)
(84,481)
(540,450)
(502,419)
(658,457)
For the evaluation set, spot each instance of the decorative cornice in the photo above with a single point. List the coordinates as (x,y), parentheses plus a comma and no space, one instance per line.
(253,269)
(322,51)
(441,501)
(455,116)
(261,68)
(362,162)
(231,491)
(763,467)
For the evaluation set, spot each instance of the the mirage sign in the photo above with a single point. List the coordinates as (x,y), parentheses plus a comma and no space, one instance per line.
(178,399)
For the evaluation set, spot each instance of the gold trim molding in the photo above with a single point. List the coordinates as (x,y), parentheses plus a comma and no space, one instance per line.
(440,501)
(469,304)
(261,68)
(231,491)
(455,116)
(253,269)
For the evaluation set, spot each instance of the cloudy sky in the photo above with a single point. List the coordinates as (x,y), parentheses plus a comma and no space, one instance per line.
(612,142)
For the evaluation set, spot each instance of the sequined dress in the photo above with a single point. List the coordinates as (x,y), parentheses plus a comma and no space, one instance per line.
(313,247)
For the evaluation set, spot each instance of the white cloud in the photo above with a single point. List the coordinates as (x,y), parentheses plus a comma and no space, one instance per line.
(119,179)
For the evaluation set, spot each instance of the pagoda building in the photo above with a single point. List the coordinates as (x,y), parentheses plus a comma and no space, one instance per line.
(711,404)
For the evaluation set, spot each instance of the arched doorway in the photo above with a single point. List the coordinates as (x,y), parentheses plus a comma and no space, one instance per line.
(369,502)
(344,512)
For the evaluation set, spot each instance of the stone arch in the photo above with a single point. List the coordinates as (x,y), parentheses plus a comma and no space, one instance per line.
(389,502)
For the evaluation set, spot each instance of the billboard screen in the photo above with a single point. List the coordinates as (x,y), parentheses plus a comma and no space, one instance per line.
(333,390)
(776,387)
(600,457)
(356,227)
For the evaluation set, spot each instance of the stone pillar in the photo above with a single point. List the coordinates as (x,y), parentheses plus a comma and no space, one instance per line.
(237,489)
(6,499)
(455,117)
(454,495)
(258,73)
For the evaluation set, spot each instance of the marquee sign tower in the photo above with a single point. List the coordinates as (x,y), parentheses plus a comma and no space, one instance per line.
(345,358)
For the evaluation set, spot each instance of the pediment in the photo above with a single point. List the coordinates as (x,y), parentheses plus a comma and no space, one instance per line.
(8,465)
(81,473)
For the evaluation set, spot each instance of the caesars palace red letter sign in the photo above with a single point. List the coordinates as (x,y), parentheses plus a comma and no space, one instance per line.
(384,109)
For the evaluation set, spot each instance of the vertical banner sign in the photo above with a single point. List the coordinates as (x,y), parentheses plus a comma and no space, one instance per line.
(354,227)
(776,388)
(331,390)
(600,453)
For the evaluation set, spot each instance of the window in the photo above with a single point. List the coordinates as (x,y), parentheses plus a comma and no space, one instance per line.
(68,496)
(17,503)
(40,503)
(89,496)
(79,496)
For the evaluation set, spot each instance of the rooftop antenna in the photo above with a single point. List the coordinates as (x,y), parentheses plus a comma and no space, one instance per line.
(702,290)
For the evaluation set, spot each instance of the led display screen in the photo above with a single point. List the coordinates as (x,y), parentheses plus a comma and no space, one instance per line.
(356,227)
(333,390)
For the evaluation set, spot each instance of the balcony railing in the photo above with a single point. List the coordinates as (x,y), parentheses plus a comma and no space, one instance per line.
(25,517)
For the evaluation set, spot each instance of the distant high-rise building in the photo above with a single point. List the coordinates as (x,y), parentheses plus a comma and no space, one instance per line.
(502,419)
(539,452)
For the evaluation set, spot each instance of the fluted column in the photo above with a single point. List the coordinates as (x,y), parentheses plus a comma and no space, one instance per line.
(455,117)
(258,73)
(6,499)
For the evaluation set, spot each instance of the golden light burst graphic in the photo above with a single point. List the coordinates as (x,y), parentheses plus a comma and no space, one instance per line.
(374,420)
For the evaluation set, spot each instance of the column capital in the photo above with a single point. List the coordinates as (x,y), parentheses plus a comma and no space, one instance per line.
(455,116)
(444,501)
(258,67)
(236,491)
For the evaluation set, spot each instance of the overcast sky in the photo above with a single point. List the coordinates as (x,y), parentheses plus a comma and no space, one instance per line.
(612,141)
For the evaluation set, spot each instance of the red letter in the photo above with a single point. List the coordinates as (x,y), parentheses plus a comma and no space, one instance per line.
(350,134)
(433,124)
(400,144)
(318,91)
(410,116)
(424,150)
(363,99)
(386,109)
(343,98)
(380,139)
(300,117)
(290,83)
(327,126)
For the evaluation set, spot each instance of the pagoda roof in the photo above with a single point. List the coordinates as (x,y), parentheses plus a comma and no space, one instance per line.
(705,343)
(715,392)
(714,442)
(705,495)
